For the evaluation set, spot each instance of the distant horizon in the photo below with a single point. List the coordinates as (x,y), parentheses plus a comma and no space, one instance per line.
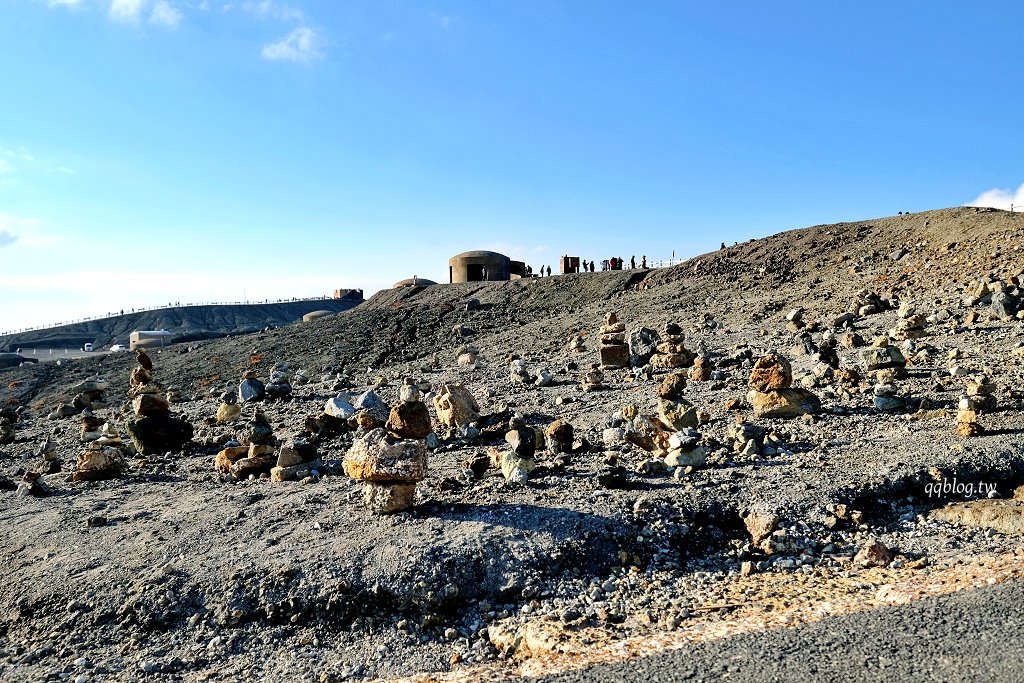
(232,150)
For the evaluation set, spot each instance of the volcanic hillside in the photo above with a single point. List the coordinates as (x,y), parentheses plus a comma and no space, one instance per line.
(186,323)
(676,507)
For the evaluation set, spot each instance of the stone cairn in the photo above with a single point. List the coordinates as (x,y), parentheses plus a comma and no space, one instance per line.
(613,347)
(89,395)
(882,355)
(390,461)
(771,393)
(593,379)
(103,458)
(251,388)
(679,415)
(49,460)
(980,397)
(255,452)
(297,460)
(674,411)
(517,462)
(153,430)
(228,410)
(8,418)
(279,384)
(701,370)
(672,353)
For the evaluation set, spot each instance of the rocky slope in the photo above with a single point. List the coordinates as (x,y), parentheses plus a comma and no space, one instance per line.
(175,570)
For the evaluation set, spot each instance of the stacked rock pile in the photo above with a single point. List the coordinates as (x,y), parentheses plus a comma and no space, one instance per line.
(89,394)
(517,462)
(154,430)
(49,460)
(674,411)
(980,397)
(701,370)
(865,302)
(882,355)
(593,379)
(297,459)
(90,426)
(613,347)
(254,453)
(771,392)
(103,458)
(392,460)
(279,384)
(672,352)
(251,388)
(228,410)
(8,418)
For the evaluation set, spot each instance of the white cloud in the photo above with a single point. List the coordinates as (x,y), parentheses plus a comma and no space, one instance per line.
(273,10)
(302,45)
(5,166)
(63,169)
(7,238)
(165,14)
(63,3)
(125,10)
(1000,199)
(446,22)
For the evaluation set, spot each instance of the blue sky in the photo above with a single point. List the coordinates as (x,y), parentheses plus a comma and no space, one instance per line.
(163,150)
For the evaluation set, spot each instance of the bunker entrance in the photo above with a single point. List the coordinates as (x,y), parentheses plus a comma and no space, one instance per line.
(474,273)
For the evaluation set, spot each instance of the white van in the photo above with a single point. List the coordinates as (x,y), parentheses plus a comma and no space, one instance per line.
(87,347)
(118,347)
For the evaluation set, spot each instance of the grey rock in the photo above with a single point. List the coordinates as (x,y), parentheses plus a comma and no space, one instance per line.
(643,343)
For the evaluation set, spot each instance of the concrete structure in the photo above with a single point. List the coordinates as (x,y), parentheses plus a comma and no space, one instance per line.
(517,269)
(313,315)
(569,264)
(146,338)
(353,294)
(478,266)
(413,282)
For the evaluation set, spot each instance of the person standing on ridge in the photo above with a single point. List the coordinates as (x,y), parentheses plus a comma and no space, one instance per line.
(632,262)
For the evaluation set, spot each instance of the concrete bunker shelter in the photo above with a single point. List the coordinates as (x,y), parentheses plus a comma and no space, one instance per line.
(413,282)
(148,338)
(478,266)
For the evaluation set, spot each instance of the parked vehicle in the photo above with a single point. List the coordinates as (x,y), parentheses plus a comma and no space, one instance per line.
(87,347)
(116,348)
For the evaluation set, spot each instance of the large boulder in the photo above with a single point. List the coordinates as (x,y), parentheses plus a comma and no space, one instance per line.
(159,433)
(771,372)
(378,457)
(559,437)
(455,406)
(677,415)
(880,358)
(409,420)
(643,343)
(1003,305)
(783,403)
(104,462)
